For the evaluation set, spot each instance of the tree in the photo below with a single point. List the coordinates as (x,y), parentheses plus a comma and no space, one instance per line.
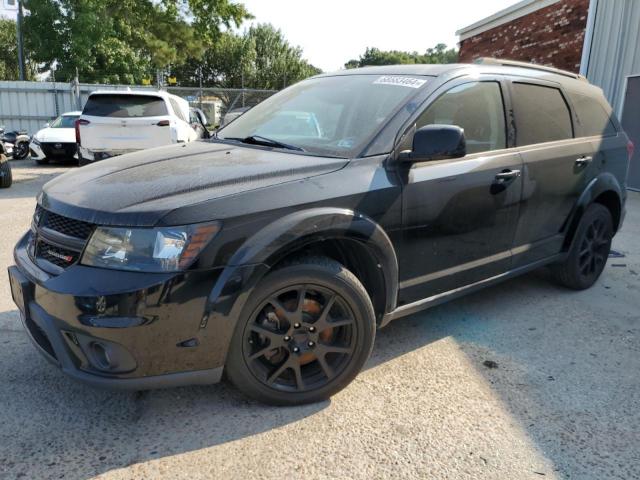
(259,58)
(122,41)
(375,56)
(9,69)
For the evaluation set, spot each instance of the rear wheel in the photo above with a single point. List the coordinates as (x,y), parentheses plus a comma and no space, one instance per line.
(21,151)
(589,251)
(304,335)
(6,178)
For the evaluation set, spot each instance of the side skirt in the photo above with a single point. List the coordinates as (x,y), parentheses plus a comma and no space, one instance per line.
(434,300)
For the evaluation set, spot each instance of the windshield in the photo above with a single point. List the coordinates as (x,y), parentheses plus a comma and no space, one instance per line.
(327,115)
(64,121)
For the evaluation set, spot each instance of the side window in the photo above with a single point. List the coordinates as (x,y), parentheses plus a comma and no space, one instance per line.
(593,119)
(177,110)
(541,113)
(477,107)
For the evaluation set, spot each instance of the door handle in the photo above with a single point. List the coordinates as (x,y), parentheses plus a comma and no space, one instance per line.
(507,175)
(583,161)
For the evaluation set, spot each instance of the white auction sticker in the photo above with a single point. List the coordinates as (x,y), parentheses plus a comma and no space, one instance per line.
(400,81)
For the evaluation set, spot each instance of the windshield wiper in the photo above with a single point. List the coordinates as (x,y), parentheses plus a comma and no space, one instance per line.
(268,142)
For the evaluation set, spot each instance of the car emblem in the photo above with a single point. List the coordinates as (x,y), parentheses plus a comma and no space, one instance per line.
(66,258)
(58,145)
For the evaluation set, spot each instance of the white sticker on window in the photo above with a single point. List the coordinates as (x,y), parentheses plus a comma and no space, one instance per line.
(400,81)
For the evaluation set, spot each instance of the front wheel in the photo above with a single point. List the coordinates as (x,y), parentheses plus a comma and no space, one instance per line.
(304,335)
(589,250)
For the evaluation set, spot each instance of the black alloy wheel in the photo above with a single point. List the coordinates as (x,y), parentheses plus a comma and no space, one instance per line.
(300,338)
(594,249)
(21,151)
(305,334)
(588,254)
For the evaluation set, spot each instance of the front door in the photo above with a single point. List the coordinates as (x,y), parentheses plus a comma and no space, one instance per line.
(460,215)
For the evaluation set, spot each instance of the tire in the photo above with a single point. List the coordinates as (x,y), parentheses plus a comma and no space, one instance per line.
(42,161)
(6,178)
(21,151)
(280,376)
(589,250)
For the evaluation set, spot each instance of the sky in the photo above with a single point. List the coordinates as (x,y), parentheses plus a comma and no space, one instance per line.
(331,32)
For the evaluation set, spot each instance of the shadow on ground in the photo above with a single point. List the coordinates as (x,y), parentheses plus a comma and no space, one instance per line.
(572,393)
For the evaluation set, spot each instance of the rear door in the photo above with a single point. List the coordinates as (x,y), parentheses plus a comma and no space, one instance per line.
(557,166)
(460,215)
(122,121)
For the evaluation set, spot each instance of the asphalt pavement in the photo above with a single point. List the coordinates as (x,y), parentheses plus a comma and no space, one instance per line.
(524,380)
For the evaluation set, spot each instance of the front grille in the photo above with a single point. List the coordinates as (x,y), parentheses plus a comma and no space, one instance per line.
(59,250)
(59,150)
(61,257)
(66,225)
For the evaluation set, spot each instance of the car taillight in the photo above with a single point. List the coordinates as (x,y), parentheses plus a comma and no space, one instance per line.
(630,149)
(78,123)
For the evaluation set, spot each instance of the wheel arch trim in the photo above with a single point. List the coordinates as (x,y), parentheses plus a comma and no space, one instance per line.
(605,182)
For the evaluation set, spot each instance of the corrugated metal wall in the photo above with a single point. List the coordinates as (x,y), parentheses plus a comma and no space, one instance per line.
(615,47)
(29,105)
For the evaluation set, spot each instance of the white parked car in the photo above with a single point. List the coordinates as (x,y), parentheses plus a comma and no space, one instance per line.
(116,122)
(57,141)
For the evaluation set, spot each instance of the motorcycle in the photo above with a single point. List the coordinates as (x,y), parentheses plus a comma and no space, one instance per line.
(16,144)
(5,169)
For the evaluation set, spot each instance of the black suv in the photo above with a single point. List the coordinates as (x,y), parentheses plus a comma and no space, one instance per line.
(348,200)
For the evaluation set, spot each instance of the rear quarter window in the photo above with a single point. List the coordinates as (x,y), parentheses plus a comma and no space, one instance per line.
(592,118)
(125,106)
(177,110)
(541,114)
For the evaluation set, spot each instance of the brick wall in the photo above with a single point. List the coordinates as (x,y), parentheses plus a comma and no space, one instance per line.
(550,36)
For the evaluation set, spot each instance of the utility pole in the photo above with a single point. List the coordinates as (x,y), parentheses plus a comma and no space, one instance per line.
(200,92)
(242,85)
(20,43)
(159,78)
(76,90)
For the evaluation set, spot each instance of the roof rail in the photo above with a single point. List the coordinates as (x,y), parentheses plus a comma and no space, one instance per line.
(532,66)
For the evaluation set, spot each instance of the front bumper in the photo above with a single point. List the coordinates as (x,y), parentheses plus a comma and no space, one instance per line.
(36,152)
(126,330)
(53,151)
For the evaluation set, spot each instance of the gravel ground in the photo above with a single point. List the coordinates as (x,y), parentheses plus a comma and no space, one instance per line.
(562,402)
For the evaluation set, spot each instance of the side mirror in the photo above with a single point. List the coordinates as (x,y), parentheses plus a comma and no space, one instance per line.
(436,142)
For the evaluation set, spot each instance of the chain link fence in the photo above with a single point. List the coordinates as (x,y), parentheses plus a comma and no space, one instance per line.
(29,105)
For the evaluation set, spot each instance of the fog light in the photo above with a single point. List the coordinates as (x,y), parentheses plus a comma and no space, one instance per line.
(100,356)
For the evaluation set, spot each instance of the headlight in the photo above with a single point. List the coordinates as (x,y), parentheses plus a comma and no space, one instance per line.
(167,249)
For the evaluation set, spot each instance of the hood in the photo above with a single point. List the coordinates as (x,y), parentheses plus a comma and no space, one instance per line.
(140,188)
(51,135)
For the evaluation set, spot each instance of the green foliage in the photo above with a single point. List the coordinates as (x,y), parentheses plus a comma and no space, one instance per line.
(259,58)
(9,52)
(122,41)
(373,56)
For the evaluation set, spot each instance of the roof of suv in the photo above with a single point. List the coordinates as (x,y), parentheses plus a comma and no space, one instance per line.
(568,79)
